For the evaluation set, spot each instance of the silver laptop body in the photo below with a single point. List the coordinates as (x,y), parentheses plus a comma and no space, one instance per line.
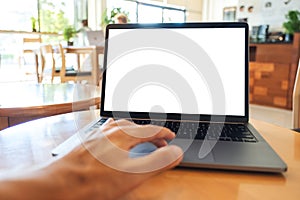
(186,73)
(95,38)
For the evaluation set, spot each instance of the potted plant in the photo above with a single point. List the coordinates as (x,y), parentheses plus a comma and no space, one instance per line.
(69,33)
(292,24)
(33,24)
(109,17)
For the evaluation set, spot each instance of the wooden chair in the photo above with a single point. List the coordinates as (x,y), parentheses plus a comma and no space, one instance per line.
(51,58)
(31,46)
(296,101)
(74,75)
(47,60)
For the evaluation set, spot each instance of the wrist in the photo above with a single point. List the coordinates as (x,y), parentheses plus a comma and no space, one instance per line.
(76,178)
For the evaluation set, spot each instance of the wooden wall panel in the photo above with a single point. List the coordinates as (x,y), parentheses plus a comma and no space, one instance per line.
(269,84)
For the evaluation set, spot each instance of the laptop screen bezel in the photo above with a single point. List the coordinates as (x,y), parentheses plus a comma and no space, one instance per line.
(177,116)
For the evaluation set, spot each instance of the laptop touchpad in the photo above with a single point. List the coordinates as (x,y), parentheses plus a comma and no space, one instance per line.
(192,150)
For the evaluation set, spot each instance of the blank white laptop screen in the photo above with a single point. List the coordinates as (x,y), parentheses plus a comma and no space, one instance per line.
(224,46)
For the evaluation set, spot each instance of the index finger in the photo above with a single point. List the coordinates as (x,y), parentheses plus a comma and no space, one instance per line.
(127,137)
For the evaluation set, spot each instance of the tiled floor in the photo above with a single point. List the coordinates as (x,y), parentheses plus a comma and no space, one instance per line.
(280,117)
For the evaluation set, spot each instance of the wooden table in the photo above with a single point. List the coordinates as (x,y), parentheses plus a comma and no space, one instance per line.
(24,102)
(31,143)
(94,51)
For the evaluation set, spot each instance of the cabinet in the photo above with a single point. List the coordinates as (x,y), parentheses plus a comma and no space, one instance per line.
(273,69)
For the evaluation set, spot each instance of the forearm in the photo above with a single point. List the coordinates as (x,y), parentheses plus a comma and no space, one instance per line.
(72,177)
(59,180)
(33,185)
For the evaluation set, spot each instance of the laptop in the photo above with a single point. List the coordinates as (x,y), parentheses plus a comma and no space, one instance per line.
(95,38)
(189,77)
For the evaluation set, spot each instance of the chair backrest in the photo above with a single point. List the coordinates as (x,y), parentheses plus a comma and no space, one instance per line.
(296,99)
(63,61)
(46,52)
(32,40)
(30,44)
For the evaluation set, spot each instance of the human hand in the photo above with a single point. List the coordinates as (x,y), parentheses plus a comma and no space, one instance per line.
(101,166)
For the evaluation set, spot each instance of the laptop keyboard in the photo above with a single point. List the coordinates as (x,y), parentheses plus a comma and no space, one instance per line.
(196,130)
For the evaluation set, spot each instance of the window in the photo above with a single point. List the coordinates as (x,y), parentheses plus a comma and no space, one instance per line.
(148,14)
(173,16)
(17,15)
(142,12)
(49,14)
(55,14)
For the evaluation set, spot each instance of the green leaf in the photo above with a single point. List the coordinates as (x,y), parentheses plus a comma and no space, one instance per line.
(108,17)
(292,24)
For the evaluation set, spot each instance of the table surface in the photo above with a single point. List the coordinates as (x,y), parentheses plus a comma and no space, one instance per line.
(39,100)
(24,146)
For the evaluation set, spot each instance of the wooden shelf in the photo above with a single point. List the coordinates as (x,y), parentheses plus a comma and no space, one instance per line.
(273,69)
